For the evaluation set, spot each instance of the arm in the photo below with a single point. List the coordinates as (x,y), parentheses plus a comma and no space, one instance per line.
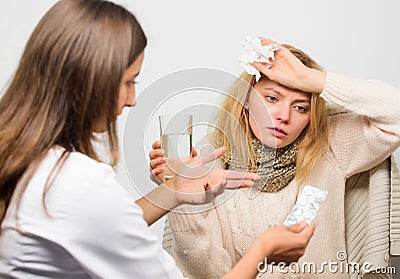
(107,235)
(370,132)
(279,244)
(199,254)
(157,203)
(193,183)
(289,71)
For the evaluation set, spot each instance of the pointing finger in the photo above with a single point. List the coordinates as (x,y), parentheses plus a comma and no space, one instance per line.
(213,155)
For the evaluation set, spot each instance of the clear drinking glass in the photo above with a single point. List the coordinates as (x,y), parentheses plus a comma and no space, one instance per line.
(176,137)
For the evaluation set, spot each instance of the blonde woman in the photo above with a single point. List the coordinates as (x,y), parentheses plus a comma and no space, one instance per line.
(280,128)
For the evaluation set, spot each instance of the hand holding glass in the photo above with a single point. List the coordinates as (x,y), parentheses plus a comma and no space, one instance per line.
(176,138)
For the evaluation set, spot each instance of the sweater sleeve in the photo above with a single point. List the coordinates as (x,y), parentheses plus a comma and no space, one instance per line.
(370,132)
(195,241)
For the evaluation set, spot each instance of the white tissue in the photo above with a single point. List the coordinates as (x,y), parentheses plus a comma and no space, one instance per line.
(255,52)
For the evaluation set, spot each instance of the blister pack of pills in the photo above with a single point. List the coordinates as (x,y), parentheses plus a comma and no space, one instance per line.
(307,205)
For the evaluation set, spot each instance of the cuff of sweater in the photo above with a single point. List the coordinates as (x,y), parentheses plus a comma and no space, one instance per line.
(360,96)
(337,88)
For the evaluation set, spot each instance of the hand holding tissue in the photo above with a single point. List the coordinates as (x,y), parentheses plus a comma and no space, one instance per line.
(254,51)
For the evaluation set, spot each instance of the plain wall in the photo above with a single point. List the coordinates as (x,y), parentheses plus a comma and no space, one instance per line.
(358,38)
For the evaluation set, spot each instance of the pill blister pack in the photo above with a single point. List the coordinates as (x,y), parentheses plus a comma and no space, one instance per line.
(307,205)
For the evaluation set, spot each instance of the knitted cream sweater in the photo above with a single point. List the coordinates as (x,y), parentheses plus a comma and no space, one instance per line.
(206,245)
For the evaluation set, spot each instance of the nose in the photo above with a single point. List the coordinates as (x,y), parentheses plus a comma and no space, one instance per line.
(131,103)
(283,114)
(130,100)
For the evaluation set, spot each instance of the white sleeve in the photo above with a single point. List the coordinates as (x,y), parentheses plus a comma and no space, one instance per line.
(110,239)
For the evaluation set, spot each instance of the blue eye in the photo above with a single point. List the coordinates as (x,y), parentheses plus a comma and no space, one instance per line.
(301,109)
(271,99)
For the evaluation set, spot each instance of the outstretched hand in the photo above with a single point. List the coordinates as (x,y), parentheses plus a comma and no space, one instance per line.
(159,165)
(196,184)
(191,183)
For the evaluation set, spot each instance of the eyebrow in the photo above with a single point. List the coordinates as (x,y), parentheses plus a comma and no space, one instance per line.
(280,94)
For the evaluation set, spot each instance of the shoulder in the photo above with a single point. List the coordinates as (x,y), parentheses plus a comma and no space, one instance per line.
(71,172)
(85,194)
(78,197)
(67,172)
(81,183)
(88,179)
(85,167)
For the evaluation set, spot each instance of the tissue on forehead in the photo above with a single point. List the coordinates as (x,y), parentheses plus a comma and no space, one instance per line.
(255,52)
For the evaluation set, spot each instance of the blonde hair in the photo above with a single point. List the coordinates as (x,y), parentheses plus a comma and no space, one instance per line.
(233,128)
(65,87)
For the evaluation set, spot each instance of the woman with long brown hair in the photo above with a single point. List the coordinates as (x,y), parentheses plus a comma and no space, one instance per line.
(62,212)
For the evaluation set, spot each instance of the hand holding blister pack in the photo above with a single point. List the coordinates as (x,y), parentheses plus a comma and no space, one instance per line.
(308,203)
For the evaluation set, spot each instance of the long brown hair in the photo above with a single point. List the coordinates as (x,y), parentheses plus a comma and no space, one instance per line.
(65,86)
(234,129)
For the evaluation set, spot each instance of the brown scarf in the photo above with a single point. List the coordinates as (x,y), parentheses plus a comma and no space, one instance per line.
(277,167)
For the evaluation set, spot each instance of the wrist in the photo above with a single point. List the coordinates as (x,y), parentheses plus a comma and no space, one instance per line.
(169,183)
(313,81)
(171,193)
(268,246)
(164,196)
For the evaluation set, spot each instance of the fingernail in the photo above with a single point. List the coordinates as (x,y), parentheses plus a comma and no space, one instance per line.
(303,222)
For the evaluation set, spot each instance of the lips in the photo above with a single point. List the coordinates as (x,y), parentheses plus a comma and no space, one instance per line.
(278,132)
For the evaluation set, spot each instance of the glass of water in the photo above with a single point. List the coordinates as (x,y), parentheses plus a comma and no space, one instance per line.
(176,138)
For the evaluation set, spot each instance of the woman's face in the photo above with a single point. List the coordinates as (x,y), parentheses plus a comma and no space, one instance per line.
(127,88)
(278,114)
(126,93)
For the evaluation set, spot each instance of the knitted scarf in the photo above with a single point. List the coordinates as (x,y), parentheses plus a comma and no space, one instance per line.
(276,166)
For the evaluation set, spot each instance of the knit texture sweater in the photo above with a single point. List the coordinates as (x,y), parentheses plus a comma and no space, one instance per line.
(208,244)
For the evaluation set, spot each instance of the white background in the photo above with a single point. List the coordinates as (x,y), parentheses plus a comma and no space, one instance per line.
(358,37)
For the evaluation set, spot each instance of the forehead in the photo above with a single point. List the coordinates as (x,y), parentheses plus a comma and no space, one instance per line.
(266,85)
(134,68)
